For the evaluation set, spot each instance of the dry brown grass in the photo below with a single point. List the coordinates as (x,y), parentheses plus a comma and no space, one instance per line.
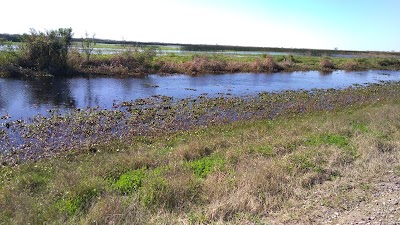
(358,182)
(352,65)
(326,64)
(301,169)
(195,149)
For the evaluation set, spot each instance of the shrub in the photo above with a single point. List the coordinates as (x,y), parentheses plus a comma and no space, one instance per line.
(8,54)
(352,65)
(389,62)
(286,61)
(46,50)
(327,64)
(75,59)
(146,56)
(268,65)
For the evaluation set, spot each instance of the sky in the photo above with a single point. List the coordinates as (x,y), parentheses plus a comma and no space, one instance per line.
(319,24)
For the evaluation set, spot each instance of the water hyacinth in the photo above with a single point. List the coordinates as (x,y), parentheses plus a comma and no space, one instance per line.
(44,136)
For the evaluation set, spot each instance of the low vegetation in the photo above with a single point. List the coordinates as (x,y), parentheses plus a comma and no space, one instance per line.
(53,53)
(207,167)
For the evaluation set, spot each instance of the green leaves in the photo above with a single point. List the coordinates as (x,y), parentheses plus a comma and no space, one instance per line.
(46,50)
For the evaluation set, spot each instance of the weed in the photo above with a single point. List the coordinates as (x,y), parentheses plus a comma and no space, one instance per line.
(73,204)
(359,126)
(153,188)
(194,150)
(305,162)
(263,150)
(204,166)
(197,218)
(130,181)
(364,186)
(329,139)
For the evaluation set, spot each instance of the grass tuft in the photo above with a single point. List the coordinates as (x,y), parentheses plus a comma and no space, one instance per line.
(77,203)
(206,165)
(130,181)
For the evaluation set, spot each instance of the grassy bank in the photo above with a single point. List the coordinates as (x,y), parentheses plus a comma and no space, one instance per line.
(260,170)
(141,61)
(148,62)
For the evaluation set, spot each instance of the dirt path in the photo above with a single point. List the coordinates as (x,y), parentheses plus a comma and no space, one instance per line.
(383,209)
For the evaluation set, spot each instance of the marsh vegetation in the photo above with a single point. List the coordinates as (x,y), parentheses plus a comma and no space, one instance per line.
(52,53)
(293,156)
(203,160)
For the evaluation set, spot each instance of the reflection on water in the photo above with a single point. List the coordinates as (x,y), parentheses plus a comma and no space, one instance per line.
(25,98)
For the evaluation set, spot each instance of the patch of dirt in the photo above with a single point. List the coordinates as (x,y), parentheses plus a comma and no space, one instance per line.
(383,208)
(379,205)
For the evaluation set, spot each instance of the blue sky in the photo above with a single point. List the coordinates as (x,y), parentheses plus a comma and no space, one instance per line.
(345,24)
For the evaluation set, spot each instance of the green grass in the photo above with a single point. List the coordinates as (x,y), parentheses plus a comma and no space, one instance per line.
(231,173)
(206,165)
(78,203)
(329,139)
(130,181)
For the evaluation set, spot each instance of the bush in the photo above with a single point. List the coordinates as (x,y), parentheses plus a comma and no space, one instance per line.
(267,65)
(8,54)
(46,51)
(352,65)
(327,64)
(389,62)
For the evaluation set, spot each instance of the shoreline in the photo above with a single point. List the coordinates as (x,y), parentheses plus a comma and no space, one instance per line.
(56,133)
(132,64)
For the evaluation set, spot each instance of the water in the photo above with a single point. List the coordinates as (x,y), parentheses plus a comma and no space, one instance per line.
(25,98)
(243,53)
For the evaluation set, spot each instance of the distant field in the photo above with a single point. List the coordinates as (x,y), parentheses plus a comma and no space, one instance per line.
(117,44)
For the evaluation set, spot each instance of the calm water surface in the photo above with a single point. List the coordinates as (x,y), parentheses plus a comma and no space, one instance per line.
(26,98)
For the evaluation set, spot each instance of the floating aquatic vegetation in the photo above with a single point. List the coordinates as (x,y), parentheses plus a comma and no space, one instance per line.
(47,135)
